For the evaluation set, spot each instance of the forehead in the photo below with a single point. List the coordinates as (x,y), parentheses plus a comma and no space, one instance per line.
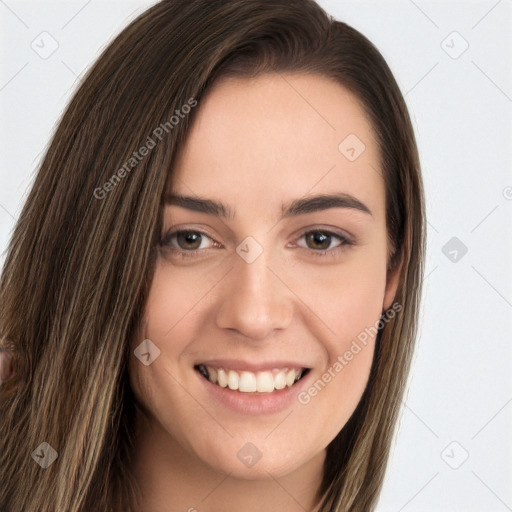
(279,136)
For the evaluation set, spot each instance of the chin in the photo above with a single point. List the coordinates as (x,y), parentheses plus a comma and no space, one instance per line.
(252,460)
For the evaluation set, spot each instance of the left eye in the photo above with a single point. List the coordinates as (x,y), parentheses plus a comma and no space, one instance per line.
(321,240)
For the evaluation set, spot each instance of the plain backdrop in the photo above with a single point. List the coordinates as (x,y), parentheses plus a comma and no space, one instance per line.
(452,60)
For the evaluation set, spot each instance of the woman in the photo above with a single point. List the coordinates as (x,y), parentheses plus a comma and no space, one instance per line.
(211,295)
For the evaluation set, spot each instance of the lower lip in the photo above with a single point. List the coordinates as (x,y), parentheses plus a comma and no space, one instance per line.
(254,403)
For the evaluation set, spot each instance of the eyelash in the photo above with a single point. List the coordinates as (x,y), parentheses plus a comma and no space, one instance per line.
(165,243)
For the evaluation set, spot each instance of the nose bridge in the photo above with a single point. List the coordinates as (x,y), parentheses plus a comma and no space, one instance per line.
(255,302)
(254,276)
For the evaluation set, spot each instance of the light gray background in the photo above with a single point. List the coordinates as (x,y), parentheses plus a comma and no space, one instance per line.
(454,447)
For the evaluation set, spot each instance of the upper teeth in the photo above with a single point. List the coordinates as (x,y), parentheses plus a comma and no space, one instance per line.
(247,382)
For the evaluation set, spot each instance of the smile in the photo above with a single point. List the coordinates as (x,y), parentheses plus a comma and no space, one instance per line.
(244,381)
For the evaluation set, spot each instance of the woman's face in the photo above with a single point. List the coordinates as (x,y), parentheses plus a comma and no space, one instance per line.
(272,266)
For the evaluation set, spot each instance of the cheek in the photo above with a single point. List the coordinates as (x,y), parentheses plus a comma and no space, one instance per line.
(171,321)
(347,301)
(173,310)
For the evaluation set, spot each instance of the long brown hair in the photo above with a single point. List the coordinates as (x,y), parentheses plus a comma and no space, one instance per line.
(81,258)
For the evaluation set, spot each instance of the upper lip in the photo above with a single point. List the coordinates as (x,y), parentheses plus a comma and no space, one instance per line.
(240,365)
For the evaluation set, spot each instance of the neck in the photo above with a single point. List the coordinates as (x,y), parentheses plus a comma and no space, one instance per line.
(171,479)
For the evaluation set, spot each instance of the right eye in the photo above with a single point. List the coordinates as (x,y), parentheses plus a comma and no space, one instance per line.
(187,242)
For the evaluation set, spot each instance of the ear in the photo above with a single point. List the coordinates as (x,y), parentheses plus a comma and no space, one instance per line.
(392,279)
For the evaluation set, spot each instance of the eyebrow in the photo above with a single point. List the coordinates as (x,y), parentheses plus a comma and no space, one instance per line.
(301,206)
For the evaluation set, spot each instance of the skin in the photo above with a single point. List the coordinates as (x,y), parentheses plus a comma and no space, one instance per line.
(257,144)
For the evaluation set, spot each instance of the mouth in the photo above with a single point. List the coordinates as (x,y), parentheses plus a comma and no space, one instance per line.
(257,382)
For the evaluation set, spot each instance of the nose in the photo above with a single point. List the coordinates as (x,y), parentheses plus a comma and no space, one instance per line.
(254,302)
